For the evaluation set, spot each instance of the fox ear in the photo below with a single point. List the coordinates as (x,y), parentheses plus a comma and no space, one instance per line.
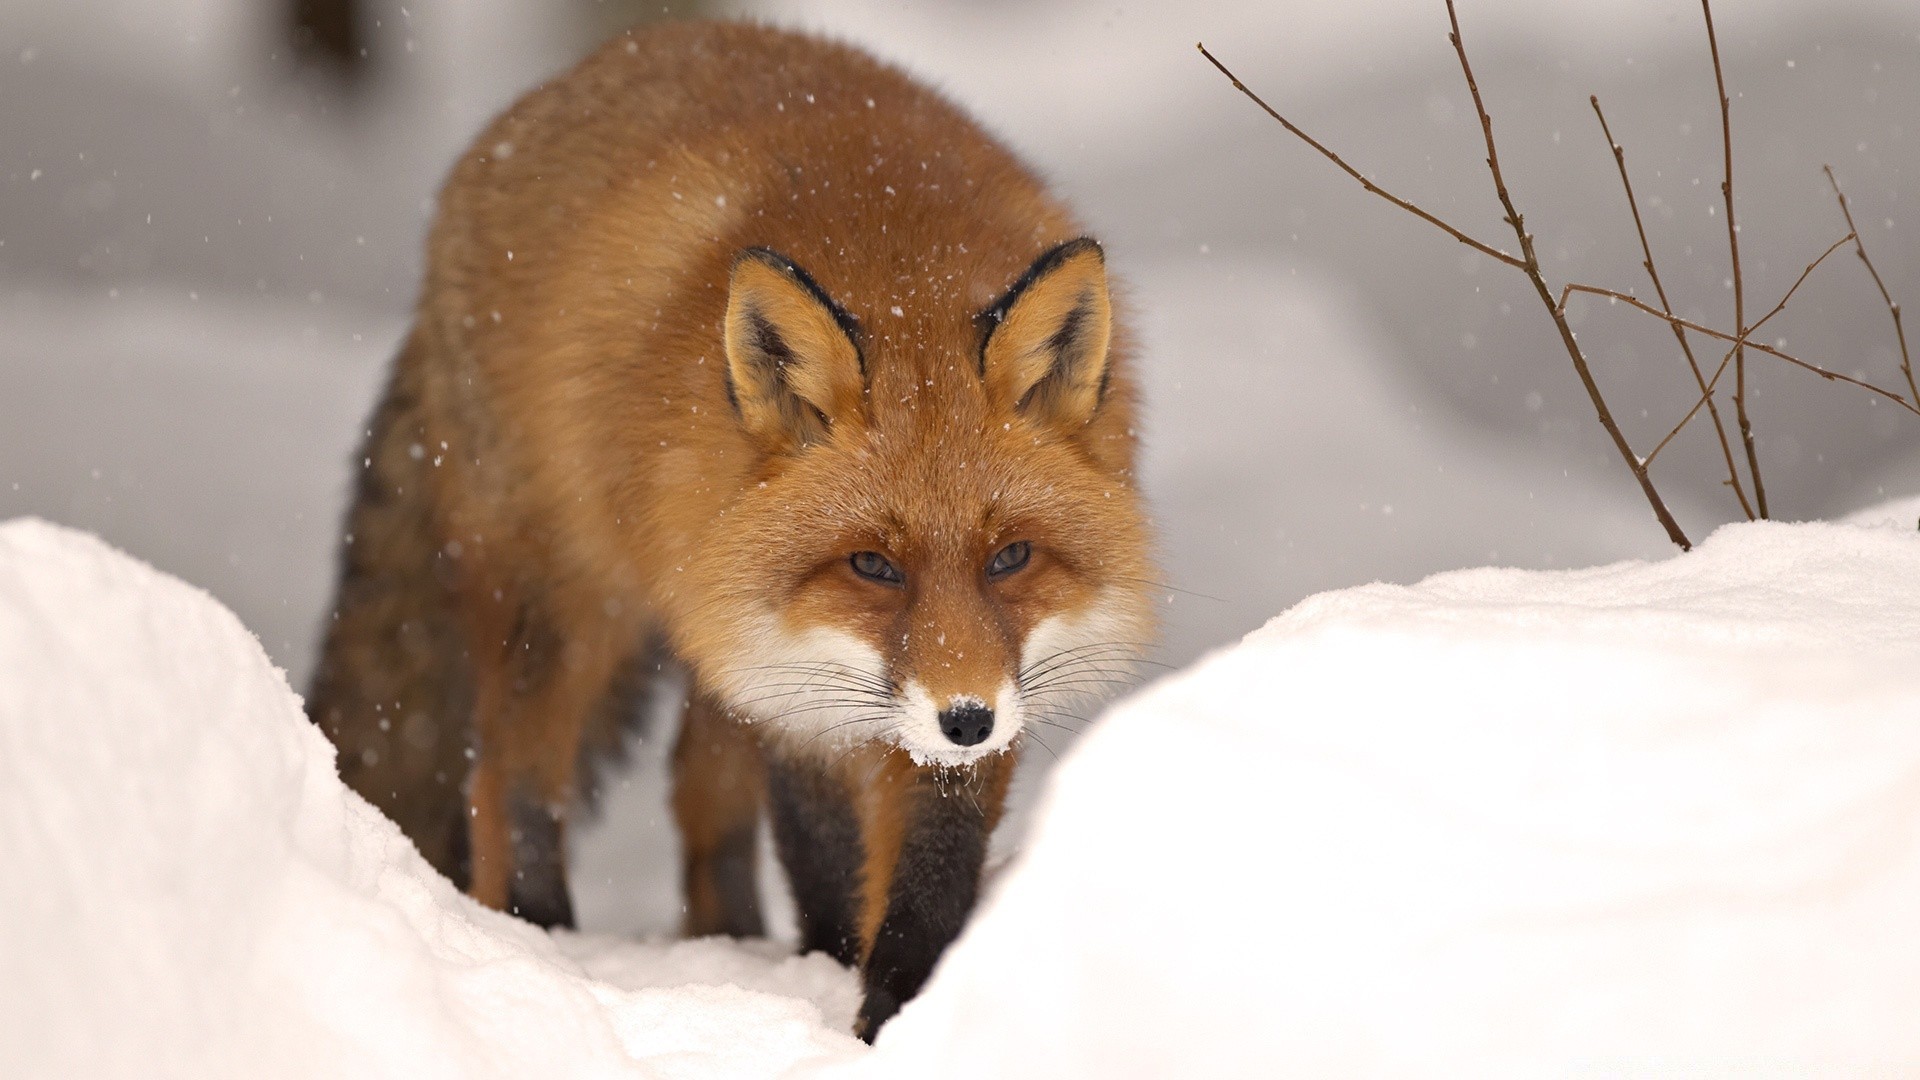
(1046,341)
(794,369)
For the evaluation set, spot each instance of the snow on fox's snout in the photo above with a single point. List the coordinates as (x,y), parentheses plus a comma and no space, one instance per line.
(941,552)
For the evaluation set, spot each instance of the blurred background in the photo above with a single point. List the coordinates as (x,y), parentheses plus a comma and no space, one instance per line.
(211,215)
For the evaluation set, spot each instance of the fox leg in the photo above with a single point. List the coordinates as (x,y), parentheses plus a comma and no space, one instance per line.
(718,782)
(536,688)
(926,834)
(816,830)
(518,844)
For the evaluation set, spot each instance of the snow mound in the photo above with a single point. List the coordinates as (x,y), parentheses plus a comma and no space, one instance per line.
(190,891)
(1644,818)
(1649,818)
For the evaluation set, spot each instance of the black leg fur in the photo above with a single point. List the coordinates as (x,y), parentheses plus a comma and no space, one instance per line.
(818,838)
(934,888)
(538,892)
(734,871)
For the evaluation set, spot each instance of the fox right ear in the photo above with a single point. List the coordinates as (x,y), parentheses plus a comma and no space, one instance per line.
(1045,352)
(794,369)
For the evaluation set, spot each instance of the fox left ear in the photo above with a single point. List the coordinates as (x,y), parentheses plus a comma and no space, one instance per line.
(1045,353)
(794,369)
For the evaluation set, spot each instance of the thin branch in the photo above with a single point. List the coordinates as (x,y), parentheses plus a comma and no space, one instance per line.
(1831,376)
(1705,397)
(1805,273)
(1485,249)
(1706,392)
(1743,339)
(1899,331)
(1739,287)
(1557,311)
(1679,334)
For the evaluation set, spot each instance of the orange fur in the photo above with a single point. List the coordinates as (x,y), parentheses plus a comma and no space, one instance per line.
(702,318)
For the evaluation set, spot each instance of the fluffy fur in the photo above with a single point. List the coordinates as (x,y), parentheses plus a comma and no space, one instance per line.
(703,318)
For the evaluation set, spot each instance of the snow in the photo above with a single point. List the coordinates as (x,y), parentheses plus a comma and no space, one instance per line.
(1648,816)
(191,891)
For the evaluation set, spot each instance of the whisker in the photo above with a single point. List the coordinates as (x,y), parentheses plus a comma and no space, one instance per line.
(824,707)
(1099,650)
(826,667)
(774,689)
(1035,736)
(1058,714)
(1109,672)
(1092,647)
(1064,684)
(1082,667)
(1041,671)
(1168,588)
(811,693)
(812,682)
(874,718)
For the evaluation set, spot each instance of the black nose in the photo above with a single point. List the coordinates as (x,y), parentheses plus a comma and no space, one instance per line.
(967,725)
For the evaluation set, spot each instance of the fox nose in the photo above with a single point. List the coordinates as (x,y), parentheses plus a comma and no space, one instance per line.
(967,725)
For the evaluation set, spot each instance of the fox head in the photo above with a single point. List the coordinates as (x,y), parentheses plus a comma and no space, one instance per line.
(940,544)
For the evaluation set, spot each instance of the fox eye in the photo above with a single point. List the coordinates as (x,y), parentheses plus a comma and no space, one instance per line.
(874,567)
(1011,558)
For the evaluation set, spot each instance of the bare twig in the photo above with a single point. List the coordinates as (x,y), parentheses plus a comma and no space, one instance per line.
(1739,288)
(1558,311)
(1805,273)
(1706,396)
(1679,333)
(1899,331)
(1485,249)
(1831,376)
(1706,392)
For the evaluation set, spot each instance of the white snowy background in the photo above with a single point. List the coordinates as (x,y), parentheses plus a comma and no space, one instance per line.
(205,263)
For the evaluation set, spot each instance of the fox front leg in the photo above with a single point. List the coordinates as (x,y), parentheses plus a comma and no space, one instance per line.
(816,831)
(945,819)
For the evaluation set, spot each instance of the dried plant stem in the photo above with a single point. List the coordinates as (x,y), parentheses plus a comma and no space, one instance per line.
(1679,332)
(1557,311)
(1706,392)
(1899,331)
(1483,248)
(1739,286)
(1832,376)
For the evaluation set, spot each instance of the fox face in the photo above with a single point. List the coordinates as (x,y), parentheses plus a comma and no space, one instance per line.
(943,546)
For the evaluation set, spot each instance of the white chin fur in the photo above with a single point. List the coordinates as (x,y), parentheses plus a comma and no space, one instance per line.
(917,730)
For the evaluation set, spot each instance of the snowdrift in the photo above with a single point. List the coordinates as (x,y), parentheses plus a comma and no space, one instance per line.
(189,890)
(1645,817)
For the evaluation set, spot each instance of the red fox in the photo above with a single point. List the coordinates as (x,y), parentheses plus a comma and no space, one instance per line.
(741,344)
